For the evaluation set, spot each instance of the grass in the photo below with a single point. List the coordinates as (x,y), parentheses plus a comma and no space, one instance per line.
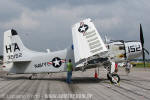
(141,65)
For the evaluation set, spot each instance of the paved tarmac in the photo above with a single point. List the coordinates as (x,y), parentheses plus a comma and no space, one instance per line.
(134,86)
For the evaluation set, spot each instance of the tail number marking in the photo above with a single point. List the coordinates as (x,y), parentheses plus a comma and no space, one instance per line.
(15,56)
(133,48)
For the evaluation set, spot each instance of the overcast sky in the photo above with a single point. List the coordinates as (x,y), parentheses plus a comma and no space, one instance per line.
(44,24)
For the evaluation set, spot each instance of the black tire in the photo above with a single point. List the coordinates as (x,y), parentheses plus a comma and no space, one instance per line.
(30,78)
(127,70)
(116,76)
(108,76)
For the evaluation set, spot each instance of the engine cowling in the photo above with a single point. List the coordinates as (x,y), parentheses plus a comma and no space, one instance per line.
(133,50)
(122,51)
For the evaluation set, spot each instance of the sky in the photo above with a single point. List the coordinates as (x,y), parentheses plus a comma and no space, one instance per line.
(44,24)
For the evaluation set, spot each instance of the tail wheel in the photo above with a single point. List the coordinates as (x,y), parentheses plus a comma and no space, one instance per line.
(30,78)
(115,78)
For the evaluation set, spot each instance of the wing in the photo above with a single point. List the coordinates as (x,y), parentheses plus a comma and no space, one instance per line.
(86,40)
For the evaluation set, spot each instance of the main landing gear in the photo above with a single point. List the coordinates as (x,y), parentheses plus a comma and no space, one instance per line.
(114,78)
(112,74)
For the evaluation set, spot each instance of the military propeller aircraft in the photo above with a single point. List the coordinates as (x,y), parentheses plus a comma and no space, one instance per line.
(88,48)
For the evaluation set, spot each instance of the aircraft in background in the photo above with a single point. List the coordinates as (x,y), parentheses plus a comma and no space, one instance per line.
(88,48)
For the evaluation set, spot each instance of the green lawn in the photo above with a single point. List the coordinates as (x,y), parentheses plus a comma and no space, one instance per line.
(142,65)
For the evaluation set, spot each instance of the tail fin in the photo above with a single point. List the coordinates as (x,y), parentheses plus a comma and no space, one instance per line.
(14,50)
(86,39)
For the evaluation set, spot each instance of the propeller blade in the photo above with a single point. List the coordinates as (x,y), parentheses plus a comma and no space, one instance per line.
(141,36)
(142,43)
(146,51)
(144,58)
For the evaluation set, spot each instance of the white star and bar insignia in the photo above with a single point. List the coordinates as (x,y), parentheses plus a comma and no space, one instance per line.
(83,28)
(57,62)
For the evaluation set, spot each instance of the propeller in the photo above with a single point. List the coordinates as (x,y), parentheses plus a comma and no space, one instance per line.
(142,43)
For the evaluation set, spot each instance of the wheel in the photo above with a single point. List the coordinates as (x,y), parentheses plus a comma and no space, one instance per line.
(115,78)
(127,70)
(108,76)
(30,77)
